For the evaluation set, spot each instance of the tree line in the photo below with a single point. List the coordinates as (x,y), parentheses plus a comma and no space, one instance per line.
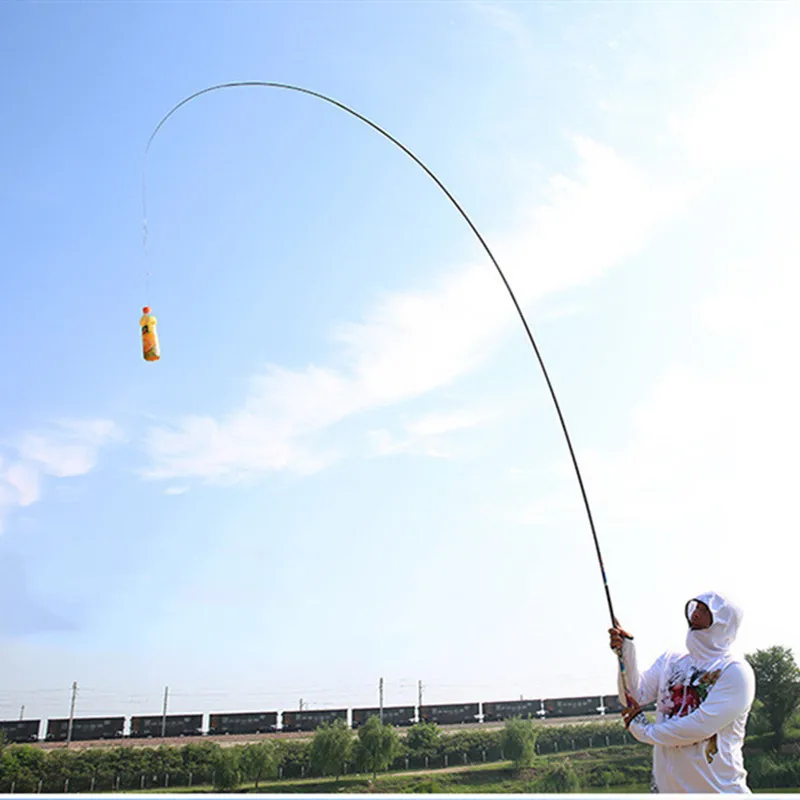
(334,750)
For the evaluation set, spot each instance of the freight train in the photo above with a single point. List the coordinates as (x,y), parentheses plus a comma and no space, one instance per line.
(171,725)
(220,724)
(191,725)
(84,728)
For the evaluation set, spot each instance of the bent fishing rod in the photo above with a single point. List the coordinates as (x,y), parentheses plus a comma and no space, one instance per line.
(465,216)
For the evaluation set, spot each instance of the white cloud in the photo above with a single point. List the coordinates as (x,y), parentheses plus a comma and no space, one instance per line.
(25,480)
(751,116)
(69,448)
(439,423)
(91,431)
(56,458)
(426,435)
(412,343)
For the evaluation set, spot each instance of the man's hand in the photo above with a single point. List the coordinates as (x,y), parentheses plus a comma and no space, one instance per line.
(617,634)
(632,710)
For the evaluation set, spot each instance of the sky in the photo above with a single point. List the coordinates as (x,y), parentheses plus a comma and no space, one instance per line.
(346,465)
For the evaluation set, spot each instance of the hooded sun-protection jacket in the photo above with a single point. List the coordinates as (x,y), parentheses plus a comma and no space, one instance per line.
(702,701)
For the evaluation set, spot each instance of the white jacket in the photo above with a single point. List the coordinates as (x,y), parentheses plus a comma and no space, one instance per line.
(702,701)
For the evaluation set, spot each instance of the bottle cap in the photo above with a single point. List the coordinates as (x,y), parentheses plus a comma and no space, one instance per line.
(146,309)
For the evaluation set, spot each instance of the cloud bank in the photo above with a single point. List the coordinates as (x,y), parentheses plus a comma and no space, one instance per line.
(66,449)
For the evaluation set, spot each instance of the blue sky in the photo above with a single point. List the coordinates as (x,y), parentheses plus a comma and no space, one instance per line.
(346,464)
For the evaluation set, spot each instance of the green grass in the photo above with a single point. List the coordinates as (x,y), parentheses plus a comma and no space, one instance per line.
(628,762)
(626,767)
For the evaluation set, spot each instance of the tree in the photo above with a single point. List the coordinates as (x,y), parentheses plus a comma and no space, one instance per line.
(59,765)
(519,741)
(777,687)
(227,770)
(331,748)
(90,767)
(131,764)
(9,769)
(167,760)
(143,758)
(260,760)
(423,739)
(378,745)
(757,721)
(294,756)
(199,759)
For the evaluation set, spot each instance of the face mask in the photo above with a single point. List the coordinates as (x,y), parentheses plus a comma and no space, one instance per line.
(692,606)
(713,643)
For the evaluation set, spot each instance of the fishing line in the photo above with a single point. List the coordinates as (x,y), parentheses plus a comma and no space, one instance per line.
(435,179)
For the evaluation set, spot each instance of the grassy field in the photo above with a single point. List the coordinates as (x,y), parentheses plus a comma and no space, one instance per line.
(629,764)
(622,769)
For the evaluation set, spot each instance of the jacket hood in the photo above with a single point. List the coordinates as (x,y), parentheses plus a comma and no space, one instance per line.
(716,641)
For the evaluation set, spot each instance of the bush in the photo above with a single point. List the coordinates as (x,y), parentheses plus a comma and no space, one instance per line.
(769,771)
(424,739)
(430,786)
(470,741)
(519,742)
(604,777)
(559,778)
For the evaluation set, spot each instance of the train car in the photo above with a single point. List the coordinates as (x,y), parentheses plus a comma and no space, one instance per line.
(310,720)
(176,725)
(392,715)
(85,728)
(613,705)
(249,722)
(497,711)
(572,706)
(22,730)
(450,713)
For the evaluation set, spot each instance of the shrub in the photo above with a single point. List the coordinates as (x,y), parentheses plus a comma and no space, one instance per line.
(519,742)
(430,786)
(769,771)
(559,778)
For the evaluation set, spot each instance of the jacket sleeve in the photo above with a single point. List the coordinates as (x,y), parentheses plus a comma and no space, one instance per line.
(644,686)
(729,698)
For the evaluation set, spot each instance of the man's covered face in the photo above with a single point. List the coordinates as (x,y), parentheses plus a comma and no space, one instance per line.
(698,615)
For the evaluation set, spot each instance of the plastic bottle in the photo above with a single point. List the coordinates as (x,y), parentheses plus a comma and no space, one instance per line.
(150,348)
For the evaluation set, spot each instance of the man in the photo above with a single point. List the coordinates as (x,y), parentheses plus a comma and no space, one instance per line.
(702,701)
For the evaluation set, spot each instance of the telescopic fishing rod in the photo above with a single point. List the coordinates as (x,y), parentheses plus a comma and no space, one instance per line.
(435,179)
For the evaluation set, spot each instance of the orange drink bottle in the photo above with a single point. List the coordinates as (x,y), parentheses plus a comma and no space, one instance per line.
(150,348)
